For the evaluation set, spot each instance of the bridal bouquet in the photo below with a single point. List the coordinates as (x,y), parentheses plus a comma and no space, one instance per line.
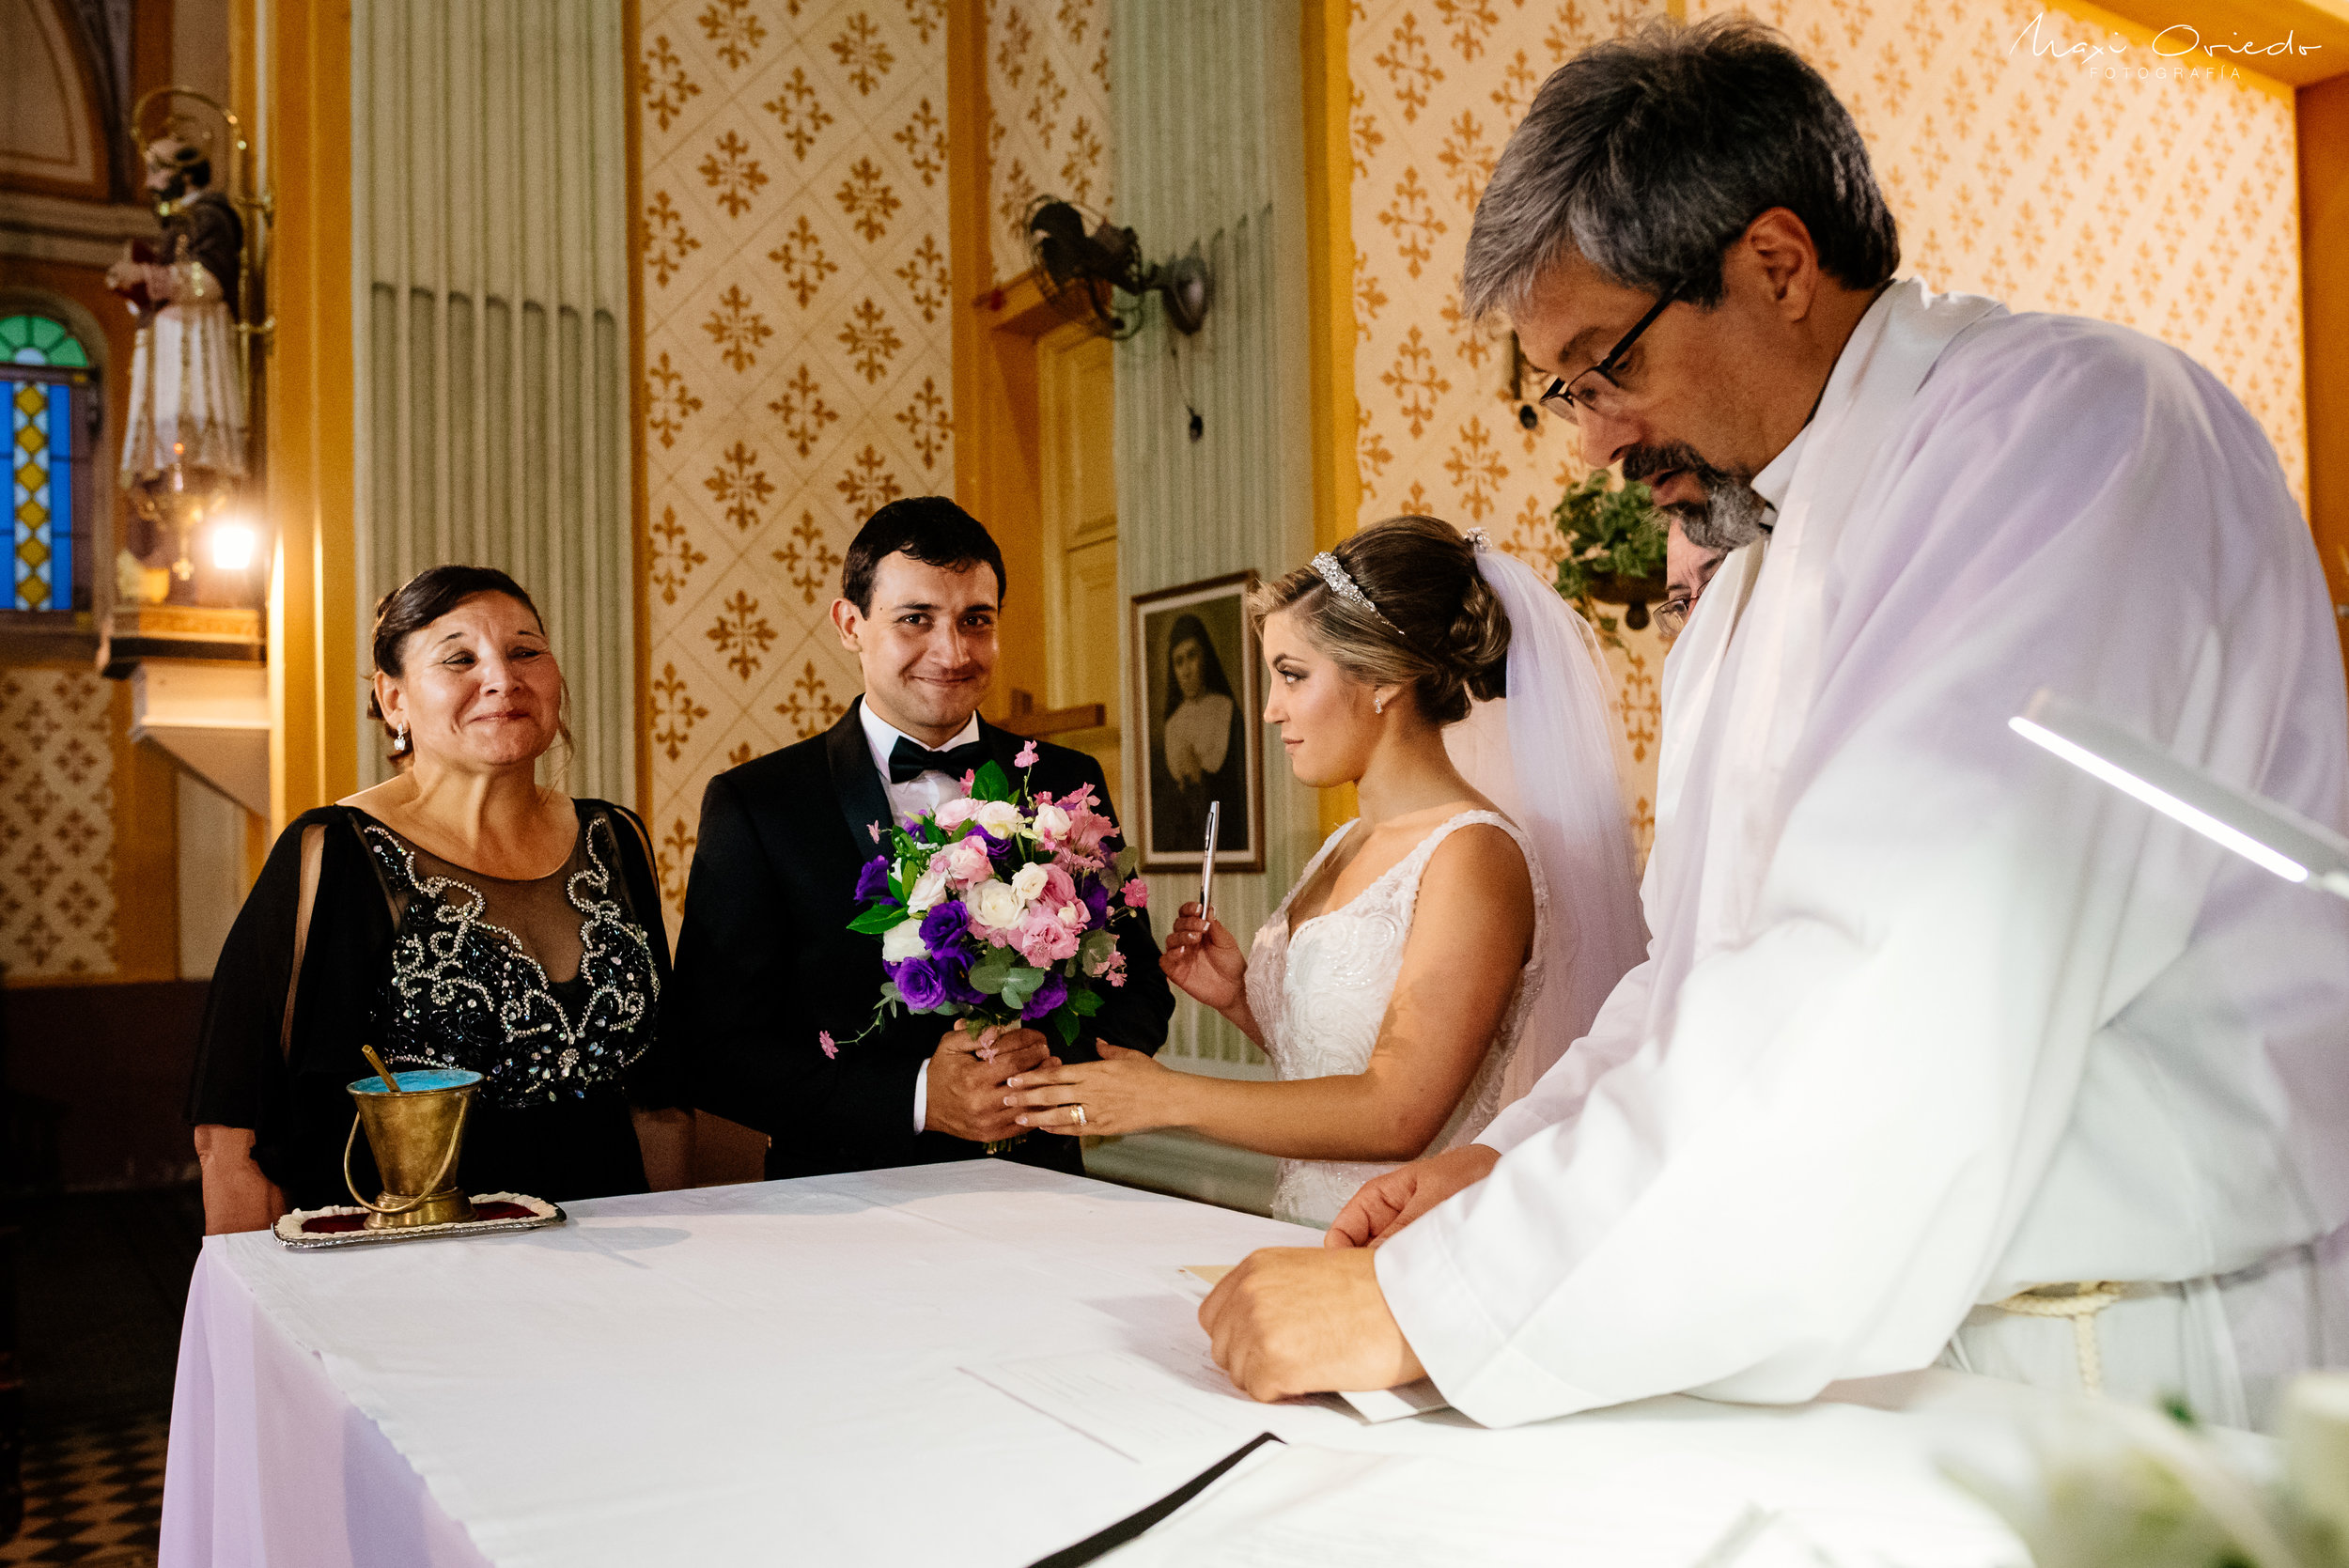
(998,907)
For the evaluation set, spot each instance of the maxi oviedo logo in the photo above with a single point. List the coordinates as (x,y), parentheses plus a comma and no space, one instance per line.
(2163,59)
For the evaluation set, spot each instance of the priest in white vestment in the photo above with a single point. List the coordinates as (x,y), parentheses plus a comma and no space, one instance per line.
(1943,1051)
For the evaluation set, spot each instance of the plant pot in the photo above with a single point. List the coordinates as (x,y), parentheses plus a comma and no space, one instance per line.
(1633,592)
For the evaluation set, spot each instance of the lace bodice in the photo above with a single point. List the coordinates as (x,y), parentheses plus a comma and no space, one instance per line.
(1320,995)
(545,988)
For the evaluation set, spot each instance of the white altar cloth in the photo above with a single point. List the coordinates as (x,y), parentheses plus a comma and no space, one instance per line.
(774,1374)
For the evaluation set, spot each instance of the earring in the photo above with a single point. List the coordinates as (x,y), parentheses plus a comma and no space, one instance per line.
(1378,704)
(399,742)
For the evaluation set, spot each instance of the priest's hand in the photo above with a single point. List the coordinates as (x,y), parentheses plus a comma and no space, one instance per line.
(1384,1204)
(1290,1320)
(966,1080)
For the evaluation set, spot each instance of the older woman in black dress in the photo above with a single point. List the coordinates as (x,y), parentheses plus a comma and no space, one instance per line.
(459,915)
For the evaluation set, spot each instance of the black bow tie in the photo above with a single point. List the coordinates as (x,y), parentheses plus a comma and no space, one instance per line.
(910,759)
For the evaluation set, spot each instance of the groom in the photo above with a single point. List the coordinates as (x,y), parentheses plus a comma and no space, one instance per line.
(767,967)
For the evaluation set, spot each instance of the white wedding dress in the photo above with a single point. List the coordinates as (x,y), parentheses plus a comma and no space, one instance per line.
(1320,994)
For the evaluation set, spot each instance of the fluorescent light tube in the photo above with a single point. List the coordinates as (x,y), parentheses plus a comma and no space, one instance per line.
(2260,830)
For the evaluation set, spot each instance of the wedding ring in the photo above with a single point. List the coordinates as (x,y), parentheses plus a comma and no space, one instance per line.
(1081,1115)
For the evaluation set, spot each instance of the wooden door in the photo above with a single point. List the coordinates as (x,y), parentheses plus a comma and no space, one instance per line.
(1076,400)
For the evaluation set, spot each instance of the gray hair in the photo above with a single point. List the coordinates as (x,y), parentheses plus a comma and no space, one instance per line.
(1649,154)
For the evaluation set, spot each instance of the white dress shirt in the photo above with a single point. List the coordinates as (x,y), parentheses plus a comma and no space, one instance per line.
(918,796)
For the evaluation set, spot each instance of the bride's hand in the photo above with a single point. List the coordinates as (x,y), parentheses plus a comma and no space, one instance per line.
(1124,1092)
(1204,961)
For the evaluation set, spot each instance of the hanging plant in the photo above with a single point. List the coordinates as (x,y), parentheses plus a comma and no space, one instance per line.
(1614,548)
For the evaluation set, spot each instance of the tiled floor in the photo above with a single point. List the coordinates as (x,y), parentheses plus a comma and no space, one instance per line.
(93,1495)
(101,1280)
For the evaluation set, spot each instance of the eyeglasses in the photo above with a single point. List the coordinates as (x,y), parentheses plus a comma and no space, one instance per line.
(1671,616)
(1597,389)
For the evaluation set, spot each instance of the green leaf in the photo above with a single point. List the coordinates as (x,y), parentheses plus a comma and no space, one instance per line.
(1126,860)
(1086,1002)
(1608,531)
(991,972)
(991,783)
(879,918)
(1064,1025)
(1094,950)
(1020,985)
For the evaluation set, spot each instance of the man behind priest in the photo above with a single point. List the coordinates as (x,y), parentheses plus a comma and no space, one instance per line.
(1939,1042)
(766,962)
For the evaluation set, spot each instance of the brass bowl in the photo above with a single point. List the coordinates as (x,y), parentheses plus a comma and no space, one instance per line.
(417,1136)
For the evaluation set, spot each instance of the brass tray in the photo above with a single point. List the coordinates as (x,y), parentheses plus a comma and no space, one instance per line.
(301,1232)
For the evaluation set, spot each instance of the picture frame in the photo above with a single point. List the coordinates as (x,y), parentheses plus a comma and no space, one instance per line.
(1196,725)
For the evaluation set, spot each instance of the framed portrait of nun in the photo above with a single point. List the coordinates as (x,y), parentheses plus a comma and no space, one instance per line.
(1197,698)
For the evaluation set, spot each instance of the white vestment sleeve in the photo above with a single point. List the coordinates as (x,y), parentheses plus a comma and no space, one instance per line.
(1559,1093)
(1812,1156)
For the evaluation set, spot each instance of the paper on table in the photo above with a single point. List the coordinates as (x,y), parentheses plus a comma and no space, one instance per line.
(1144,1409)
(1318,1508)
(1374,1405)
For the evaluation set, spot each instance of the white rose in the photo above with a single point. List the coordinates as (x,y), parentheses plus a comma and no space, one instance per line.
(1027,882)
(927,890)
(1000,817)
(993,902)
(903,941)
(1052,822)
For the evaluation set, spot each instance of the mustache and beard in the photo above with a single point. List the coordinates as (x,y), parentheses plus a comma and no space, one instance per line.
(1733,513)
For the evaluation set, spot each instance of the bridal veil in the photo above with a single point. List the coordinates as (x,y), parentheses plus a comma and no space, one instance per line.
(1548,756)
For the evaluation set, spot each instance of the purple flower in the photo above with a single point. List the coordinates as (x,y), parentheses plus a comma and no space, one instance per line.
(944,928)
(996,847)
(958,988)
(920,983)
(1047,996)
(1096,895)
(873,880)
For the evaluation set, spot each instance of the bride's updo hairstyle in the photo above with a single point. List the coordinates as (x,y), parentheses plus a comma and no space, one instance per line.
(1431,623)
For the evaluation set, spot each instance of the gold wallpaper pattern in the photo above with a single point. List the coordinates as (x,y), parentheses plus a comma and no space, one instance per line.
(1048,115)
(2165,204)
(797,365)
(2168,204)
(56,824)
(1437,87)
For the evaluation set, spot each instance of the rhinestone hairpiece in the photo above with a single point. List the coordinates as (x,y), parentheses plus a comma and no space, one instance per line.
(1343,585)
(1479,541)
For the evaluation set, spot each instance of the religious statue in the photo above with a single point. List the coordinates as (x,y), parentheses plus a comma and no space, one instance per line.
(185,446)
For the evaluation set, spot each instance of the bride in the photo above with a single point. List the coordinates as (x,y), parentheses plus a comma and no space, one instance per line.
(1439,953)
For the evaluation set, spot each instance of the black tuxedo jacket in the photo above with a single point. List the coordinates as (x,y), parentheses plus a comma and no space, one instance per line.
(766,961)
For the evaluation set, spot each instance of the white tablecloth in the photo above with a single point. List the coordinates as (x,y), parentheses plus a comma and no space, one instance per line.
(774,1373)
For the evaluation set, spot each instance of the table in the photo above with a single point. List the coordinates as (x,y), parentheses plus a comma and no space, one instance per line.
(773,1373)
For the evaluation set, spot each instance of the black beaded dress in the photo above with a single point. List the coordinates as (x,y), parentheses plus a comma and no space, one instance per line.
(549,987)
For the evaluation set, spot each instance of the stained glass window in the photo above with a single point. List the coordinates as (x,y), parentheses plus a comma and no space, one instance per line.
(42,366)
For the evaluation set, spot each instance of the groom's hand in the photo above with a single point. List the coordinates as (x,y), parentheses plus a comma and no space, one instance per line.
(965,1089)
(1384,1204)
(1297,1320)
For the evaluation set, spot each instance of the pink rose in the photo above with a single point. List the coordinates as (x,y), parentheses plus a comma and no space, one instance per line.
(966,861)
(1136,893)
(953,814)
(1042,939)
(1059,887)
